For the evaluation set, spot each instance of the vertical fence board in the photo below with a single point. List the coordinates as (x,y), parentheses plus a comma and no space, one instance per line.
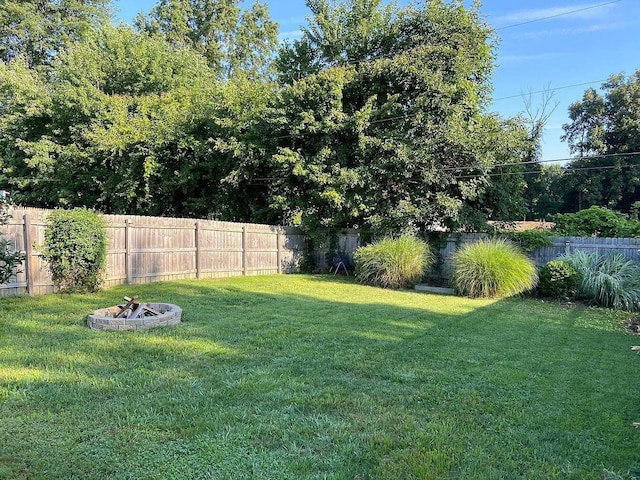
(28,249)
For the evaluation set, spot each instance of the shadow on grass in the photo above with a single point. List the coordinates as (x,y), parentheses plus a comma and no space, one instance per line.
(307,377)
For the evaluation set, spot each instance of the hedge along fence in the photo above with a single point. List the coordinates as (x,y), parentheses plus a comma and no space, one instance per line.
(149,249)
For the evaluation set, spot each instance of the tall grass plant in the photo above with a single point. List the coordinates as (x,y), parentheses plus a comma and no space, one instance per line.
(610,281)
(393,263)
(492,268)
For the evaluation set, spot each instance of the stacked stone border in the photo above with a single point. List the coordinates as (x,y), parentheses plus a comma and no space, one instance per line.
(102,319)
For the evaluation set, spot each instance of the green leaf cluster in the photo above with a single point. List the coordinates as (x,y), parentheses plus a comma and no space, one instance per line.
(559,279)
(232,39)
(596,222)
(75,249)
(528,240)
(384,125)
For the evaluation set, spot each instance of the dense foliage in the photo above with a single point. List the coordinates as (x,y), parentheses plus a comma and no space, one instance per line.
(492,268)
(393,263)
(38,31)
(234,41)
(611,280)
(596,222)
(75,249)
(385,125)
(378,118)
(559,279)
(528,240)
(604,134)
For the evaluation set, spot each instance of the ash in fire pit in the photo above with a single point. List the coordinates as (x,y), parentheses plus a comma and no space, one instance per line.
(134,315)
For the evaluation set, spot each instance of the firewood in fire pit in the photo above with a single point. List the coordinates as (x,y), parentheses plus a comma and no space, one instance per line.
(132,304)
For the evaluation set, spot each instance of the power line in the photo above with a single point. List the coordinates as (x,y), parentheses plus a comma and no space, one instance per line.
(551,89)
(555,160)
(558,15)
(538,172)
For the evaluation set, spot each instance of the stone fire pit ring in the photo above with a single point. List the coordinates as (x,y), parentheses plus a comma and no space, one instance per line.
(105,318)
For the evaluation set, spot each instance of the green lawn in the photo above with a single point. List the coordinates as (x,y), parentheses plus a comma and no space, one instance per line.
(294,377)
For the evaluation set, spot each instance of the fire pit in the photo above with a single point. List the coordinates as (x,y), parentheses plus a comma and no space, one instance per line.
(134,315)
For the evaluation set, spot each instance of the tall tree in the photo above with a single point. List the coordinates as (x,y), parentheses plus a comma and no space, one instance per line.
(605,128)
(232,40)
(39,30)
(384,119)
(110,127)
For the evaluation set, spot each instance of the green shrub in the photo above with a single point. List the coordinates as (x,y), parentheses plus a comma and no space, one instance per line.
(393,263)
(492,268)
(594,221)
(610,281)
(559,279)
(75,248)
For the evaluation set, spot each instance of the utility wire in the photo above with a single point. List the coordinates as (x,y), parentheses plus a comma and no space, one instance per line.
(550,89)
(571,159)
(558,15)
(537,172)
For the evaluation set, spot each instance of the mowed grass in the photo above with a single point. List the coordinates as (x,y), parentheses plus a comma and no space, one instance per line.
(296,377)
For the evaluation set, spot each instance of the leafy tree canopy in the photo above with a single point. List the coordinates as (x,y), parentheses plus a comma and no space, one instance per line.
(605,127)
(385,127)
(597,222)
(232,40)
(379,120)
(99,132)
(39,30)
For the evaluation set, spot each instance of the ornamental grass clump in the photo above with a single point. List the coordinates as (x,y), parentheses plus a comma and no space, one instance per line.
(610,281)
(492,268)
(393,263)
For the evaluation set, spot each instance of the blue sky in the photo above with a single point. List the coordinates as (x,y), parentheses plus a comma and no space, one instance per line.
(582,44)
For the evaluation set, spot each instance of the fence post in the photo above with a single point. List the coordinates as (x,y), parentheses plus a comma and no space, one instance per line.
(567,246)
(279,248)
(128,260)
(197,244)
(244,250)
(28,250)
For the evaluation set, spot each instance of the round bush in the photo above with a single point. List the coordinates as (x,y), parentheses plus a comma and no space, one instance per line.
(492,268)
(559,279)
(393,263)
(75,248)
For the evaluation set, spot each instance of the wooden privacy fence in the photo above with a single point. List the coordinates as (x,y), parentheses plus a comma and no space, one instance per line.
(149,249)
